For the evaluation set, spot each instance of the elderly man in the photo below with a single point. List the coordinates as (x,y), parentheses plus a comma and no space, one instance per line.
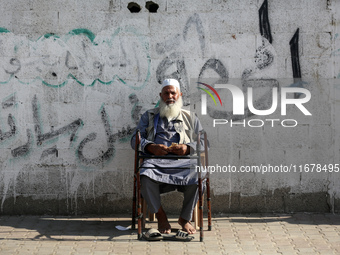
(168,129)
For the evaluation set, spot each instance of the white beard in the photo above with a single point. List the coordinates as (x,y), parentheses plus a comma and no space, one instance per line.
(170,111)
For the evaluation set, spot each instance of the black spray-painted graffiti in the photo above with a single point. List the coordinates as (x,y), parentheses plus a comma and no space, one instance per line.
(218,67)
(136,108)
(11,132)
(7,103)
(180,74)
(195,21)
(110,143)
(51,151)
(263,59)
(294,53)
(176,59)
(71,129)
(264,22)
(24,149)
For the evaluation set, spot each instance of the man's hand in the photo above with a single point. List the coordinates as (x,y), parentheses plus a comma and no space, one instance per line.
(179,149)
(157,149)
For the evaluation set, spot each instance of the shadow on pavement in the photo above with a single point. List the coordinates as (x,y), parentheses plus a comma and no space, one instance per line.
(98,229)
(294,218)
(65,228)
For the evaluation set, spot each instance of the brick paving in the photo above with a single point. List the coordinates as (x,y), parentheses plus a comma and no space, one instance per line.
(301,233)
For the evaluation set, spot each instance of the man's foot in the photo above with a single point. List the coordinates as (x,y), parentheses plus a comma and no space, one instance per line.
(163,223)
(186,226)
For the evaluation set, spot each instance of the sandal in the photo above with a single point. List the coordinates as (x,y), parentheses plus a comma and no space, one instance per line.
(153,235)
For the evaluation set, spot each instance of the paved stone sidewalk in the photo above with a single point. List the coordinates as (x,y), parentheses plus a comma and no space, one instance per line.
(300,233)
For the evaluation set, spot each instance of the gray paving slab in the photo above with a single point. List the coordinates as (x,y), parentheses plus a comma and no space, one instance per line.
(300,233)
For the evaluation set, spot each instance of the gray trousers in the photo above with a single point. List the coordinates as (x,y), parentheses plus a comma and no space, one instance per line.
(151,191)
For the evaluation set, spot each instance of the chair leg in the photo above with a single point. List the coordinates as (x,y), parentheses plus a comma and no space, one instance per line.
(139,208)
(134,204)
(209,204)
(195,218)
(136,187)
(200,200)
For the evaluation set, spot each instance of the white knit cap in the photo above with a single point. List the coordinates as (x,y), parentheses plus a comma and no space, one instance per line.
(171,82)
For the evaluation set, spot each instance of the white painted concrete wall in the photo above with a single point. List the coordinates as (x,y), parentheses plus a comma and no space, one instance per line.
(76,75)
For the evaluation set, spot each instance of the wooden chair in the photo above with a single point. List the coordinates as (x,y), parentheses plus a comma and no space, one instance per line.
(139,206)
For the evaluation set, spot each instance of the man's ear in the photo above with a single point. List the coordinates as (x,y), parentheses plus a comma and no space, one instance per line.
(160,94)
(181,94)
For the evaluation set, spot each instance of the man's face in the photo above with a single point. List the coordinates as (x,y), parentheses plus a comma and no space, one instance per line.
(170,94)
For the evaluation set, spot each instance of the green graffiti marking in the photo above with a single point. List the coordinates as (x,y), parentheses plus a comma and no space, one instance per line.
(85,32)
(125,139)
(4,30)
(5,82)
(92,37)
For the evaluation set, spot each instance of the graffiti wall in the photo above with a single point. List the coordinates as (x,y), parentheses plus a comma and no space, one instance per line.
(76,78)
